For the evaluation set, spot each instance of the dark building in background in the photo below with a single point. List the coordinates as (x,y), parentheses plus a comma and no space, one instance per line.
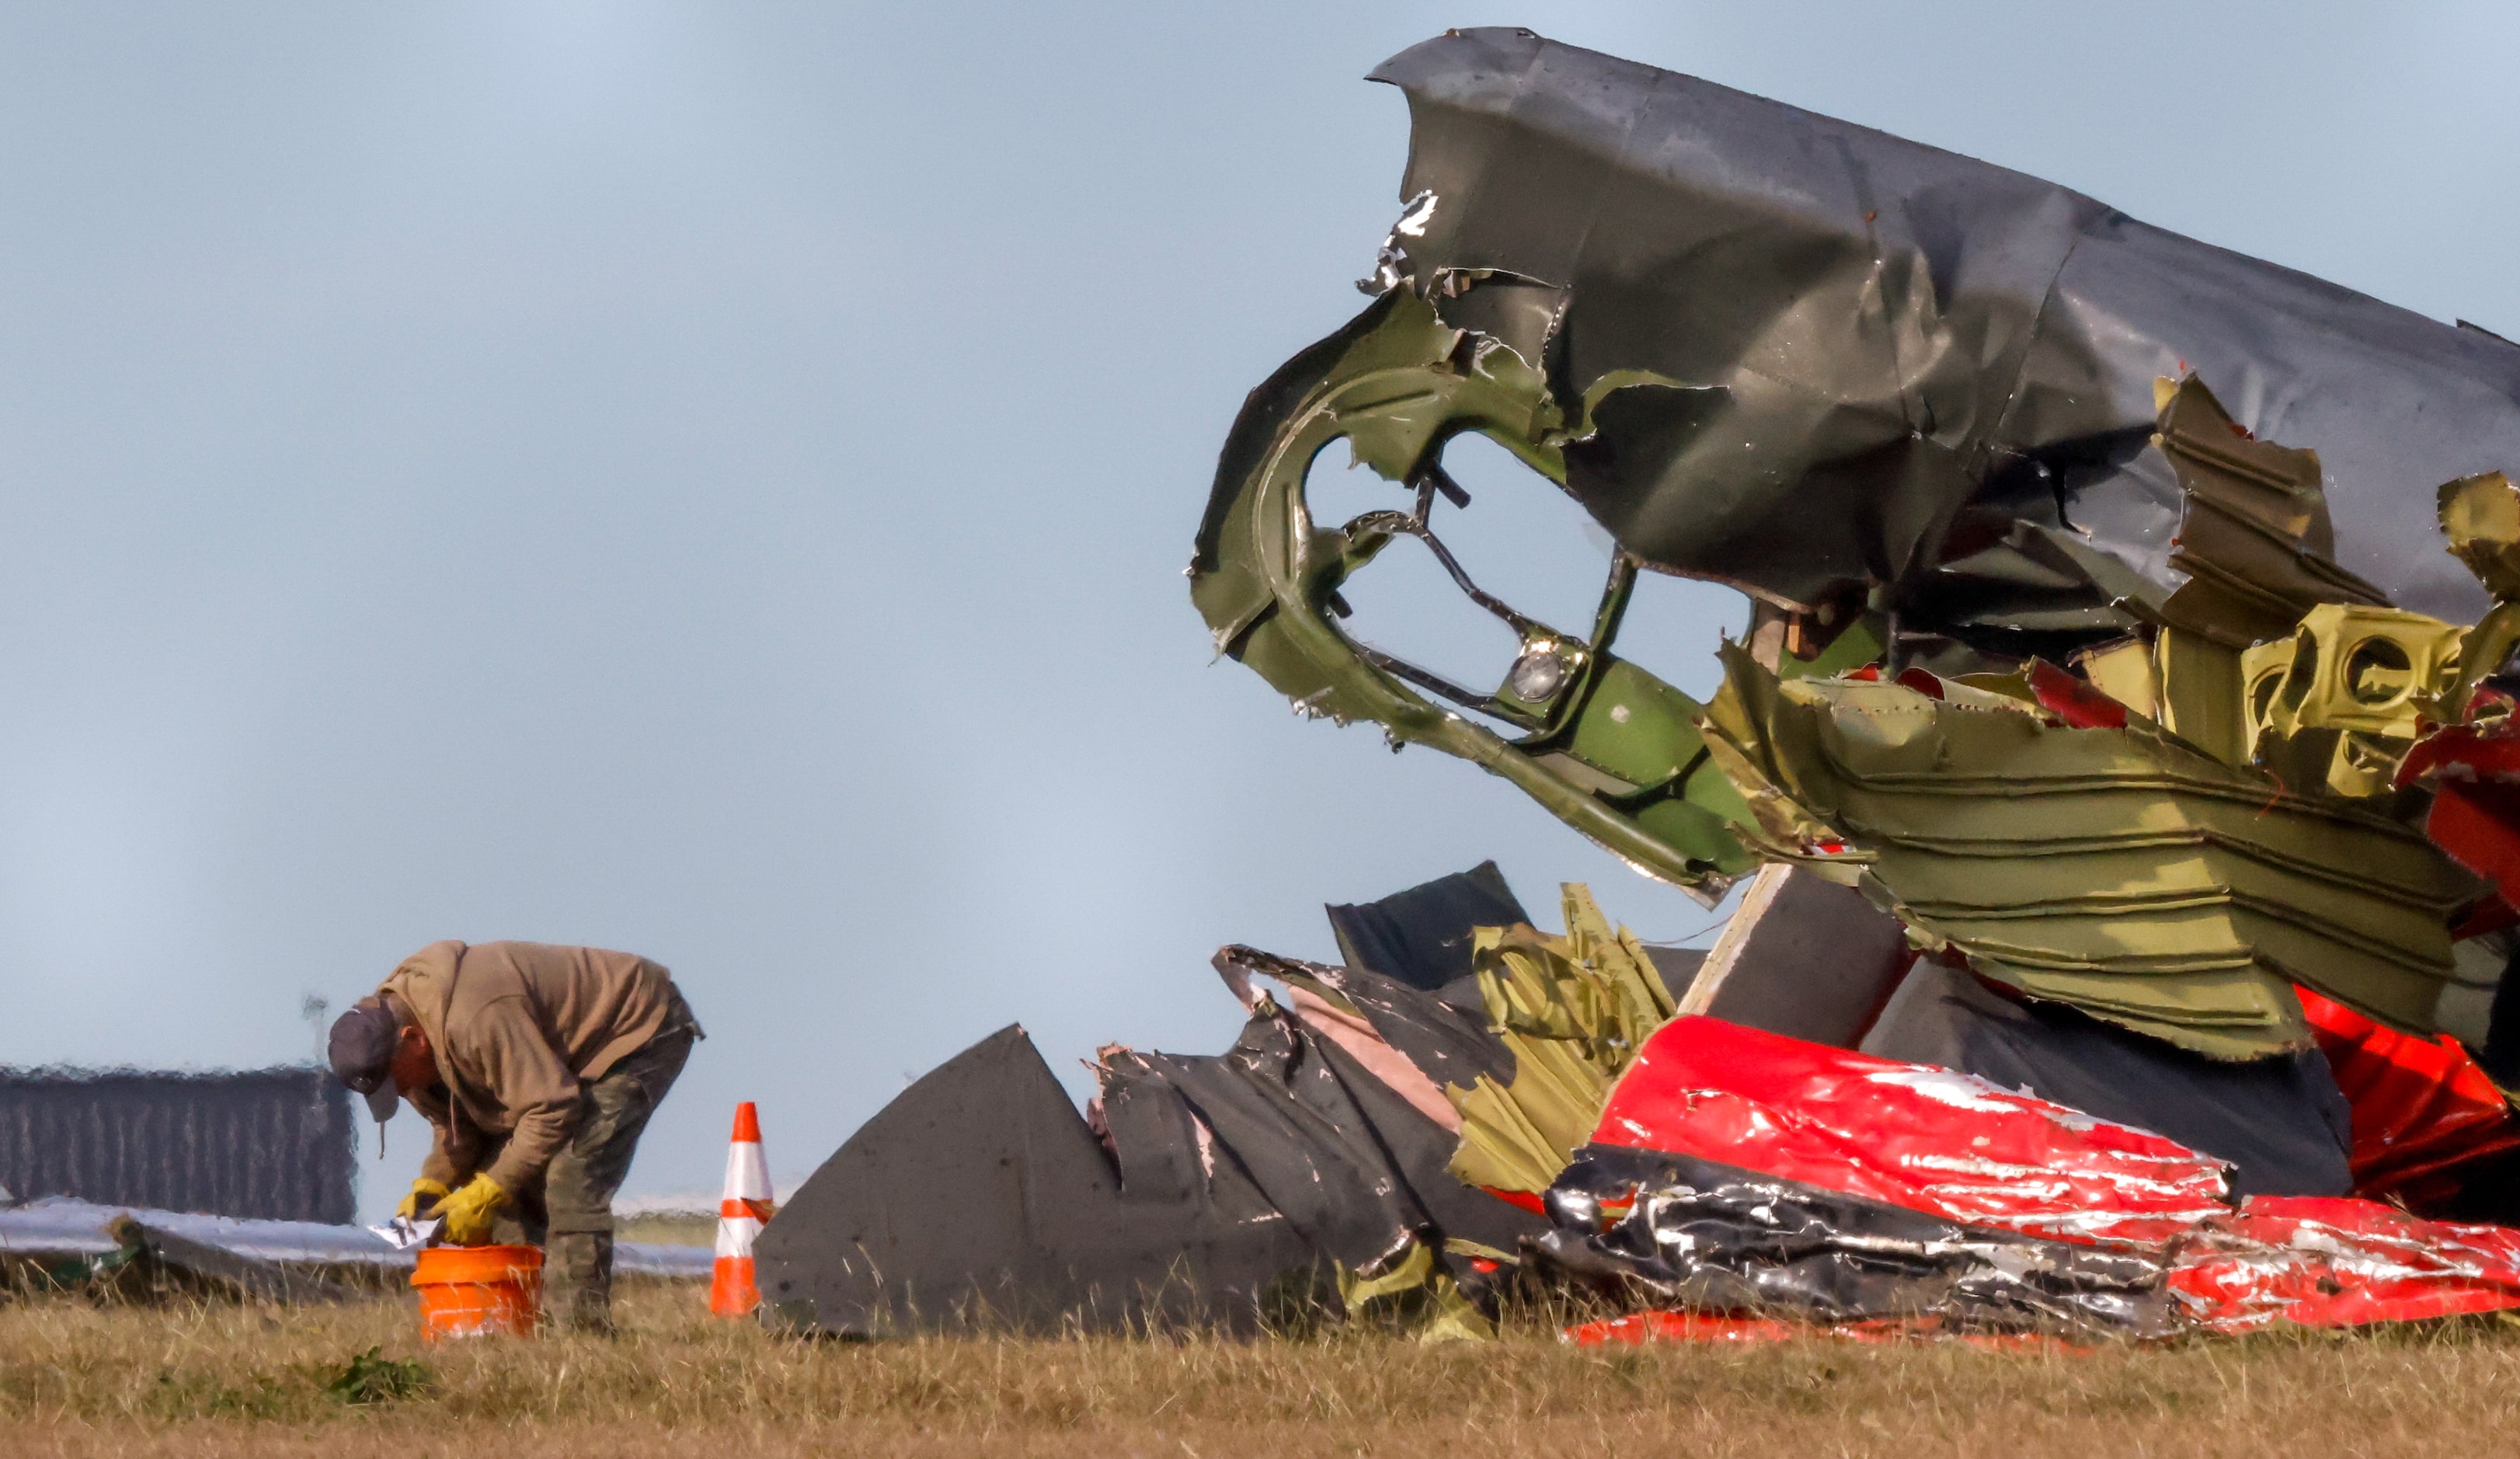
(274,1143)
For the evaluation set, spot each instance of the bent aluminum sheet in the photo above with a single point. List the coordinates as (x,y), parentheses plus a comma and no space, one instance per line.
(58,1226)
(1844,341)
(2428,1124)
(1740,1171)
(2115,869)
(1715,1237)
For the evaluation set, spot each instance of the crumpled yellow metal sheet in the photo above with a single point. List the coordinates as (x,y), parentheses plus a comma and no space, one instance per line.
(1574,1009)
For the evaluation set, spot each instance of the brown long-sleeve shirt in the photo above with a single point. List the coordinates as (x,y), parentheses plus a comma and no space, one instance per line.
(515,1028)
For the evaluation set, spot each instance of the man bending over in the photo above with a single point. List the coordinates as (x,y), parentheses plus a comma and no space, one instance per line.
(537,1067)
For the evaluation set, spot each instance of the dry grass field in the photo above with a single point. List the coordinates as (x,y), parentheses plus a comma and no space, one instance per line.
(676,1228)
(77,1379)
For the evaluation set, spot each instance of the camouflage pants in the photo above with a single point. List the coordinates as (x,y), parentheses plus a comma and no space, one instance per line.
(568,1213)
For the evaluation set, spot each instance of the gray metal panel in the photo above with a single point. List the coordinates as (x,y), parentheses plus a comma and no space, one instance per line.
(1803,957)
(1868,335)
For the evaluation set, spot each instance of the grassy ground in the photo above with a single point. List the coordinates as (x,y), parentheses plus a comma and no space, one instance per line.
(244,1381)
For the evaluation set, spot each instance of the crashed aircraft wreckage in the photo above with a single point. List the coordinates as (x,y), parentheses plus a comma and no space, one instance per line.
(2120,756)
(1957,428)
(1496,1112)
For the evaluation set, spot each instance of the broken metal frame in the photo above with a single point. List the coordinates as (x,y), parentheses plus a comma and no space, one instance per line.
(1607,748)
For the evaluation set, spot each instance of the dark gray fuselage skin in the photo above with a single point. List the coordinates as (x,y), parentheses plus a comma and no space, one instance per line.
(1879,365)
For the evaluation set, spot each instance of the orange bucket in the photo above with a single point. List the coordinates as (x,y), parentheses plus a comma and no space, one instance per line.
(479,1291)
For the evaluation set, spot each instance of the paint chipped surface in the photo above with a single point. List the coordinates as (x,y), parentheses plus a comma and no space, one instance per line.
(1914,1136)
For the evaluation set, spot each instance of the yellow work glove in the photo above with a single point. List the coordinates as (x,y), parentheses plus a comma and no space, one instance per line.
(424,1193)
(466,1214)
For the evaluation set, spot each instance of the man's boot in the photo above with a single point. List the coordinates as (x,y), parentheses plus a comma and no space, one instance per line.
(577,1282)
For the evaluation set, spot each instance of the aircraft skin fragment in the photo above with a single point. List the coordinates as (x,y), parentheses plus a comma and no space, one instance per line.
(979,1199)
(1745,1177)
(2119,870)
(1573,1011)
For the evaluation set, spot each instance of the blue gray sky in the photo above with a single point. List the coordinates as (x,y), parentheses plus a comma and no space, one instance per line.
(713,479)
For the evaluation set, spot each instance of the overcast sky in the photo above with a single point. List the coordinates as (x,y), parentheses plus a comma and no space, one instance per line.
(713,480)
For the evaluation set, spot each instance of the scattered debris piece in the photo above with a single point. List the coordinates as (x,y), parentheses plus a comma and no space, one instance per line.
(1909,1135)
(981,1196)
(214,1267)
(1218,1190)
(1713,1238)
(61,1242)
(1740,1172)
(405,1233)
(2422,1115)
(1803,956)
(2120,871)
(1236,1190)
(1422,936)
(1571,1013)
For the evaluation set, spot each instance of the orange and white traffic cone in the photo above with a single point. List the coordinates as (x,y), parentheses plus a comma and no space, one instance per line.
(741,1213)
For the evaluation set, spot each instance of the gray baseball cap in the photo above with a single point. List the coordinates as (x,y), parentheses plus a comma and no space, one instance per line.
(362,1053)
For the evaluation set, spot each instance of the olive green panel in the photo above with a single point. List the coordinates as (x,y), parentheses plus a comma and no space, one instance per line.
(2201,694)
(2375,670)
(2222,1015)
(2480,515)
(1689,826)
(1574,1009)
(2254,536)
(2124,671)
(2118,870)
(2341,700)
(1636,726)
